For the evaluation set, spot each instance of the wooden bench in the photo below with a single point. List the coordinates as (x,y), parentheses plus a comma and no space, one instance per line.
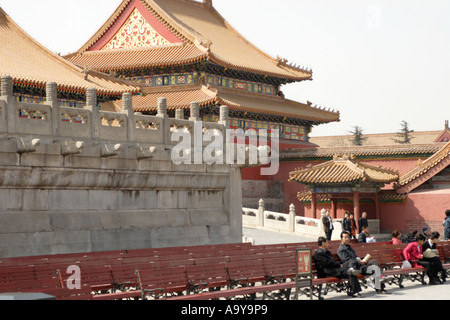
(250,291)
(445,245)
(210,276)
(387,255)
(162,282)
(84,293)
(391,259)
(223,271)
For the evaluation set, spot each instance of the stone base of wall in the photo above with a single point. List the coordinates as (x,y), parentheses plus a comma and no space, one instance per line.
(40,233)
(92,205)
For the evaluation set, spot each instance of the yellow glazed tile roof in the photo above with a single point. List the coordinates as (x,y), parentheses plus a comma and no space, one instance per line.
(181,97)
(361,151)
(383,196)
(342,170)
(126,59)
(440,157)
(176,99)
(197,23)
(31,64)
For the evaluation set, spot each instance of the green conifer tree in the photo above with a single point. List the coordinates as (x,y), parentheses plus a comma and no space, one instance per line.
(404,135)
(358,138)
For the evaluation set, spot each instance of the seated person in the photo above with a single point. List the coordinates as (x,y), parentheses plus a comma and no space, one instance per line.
(431,255)
(327,267)
(350,259)
(364,236)
(396,235)
(413,251)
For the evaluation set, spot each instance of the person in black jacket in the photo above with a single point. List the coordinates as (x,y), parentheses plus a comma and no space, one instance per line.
(363,222)
(328,267)
(431,255)
(350,259)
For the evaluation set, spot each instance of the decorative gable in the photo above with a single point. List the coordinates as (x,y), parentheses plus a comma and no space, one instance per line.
(134,25)
(445,135)
(136,32)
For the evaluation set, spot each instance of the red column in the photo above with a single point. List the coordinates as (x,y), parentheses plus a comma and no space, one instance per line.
(313,205)
(356,205)
(333,208)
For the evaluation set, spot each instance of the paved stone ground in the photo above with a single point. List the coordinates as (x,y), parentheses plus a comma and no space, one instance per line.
(261,236)
(411,291)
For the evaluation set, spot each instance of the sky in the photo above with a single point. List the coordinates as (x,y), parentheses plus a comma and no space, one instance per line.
(377,62)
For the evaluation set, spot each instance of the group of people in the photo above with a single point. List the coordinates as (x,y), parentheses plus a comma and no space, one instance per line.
(349,226)
(421,251)
(350,265)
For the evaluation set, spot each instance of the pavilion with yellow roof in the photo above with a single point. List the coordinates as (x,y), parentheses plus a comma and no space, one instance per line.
(344,178)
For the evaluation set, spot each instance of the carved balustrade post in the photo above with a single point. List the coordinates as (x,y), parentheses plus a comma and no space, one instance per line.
(291,218)
(260,214)
(91,105)
(6,94)
(162,113)
(52,100)
(127,109)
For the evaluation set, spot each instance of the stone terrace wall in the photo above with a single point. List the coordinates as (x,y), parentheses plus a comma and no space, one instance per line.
(83,180)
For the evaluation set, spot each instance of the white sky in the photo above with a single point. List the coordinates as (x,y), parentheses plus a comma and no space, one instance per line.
(378,62)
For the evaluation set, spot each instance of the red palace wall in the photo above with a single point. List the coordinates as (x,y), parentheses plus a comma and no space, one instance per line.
(420,209)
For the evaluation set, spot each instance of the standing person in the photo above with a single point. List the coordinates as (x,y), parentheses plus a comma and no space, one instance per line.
(362,222)
(350,259)
(431,255)
(346,222)
(328,225)
(353,226)
(446,225)
(328,267)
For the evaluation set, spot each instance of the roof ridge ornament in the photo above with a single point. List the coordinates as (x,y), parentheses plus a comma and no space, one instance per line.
(203,45)
(208,3)
(86,71)
(344,157)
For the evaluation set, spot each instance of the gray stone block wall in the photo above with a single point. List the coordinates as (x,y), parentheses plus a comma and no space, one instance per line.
(71,186)
(45,214)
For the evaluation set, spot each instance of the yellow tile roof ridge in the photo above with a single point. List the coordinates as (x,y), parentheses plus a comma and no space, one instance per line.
(128,59)
(83,79)
(126,50)
(425,166)
(342,169)
(37,44)
(383,195)
(272,98)
(266,64)
(375,150)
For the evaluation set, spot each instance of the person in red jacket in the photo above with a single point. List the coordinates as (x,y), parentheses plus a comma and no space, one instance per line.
(413,251)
